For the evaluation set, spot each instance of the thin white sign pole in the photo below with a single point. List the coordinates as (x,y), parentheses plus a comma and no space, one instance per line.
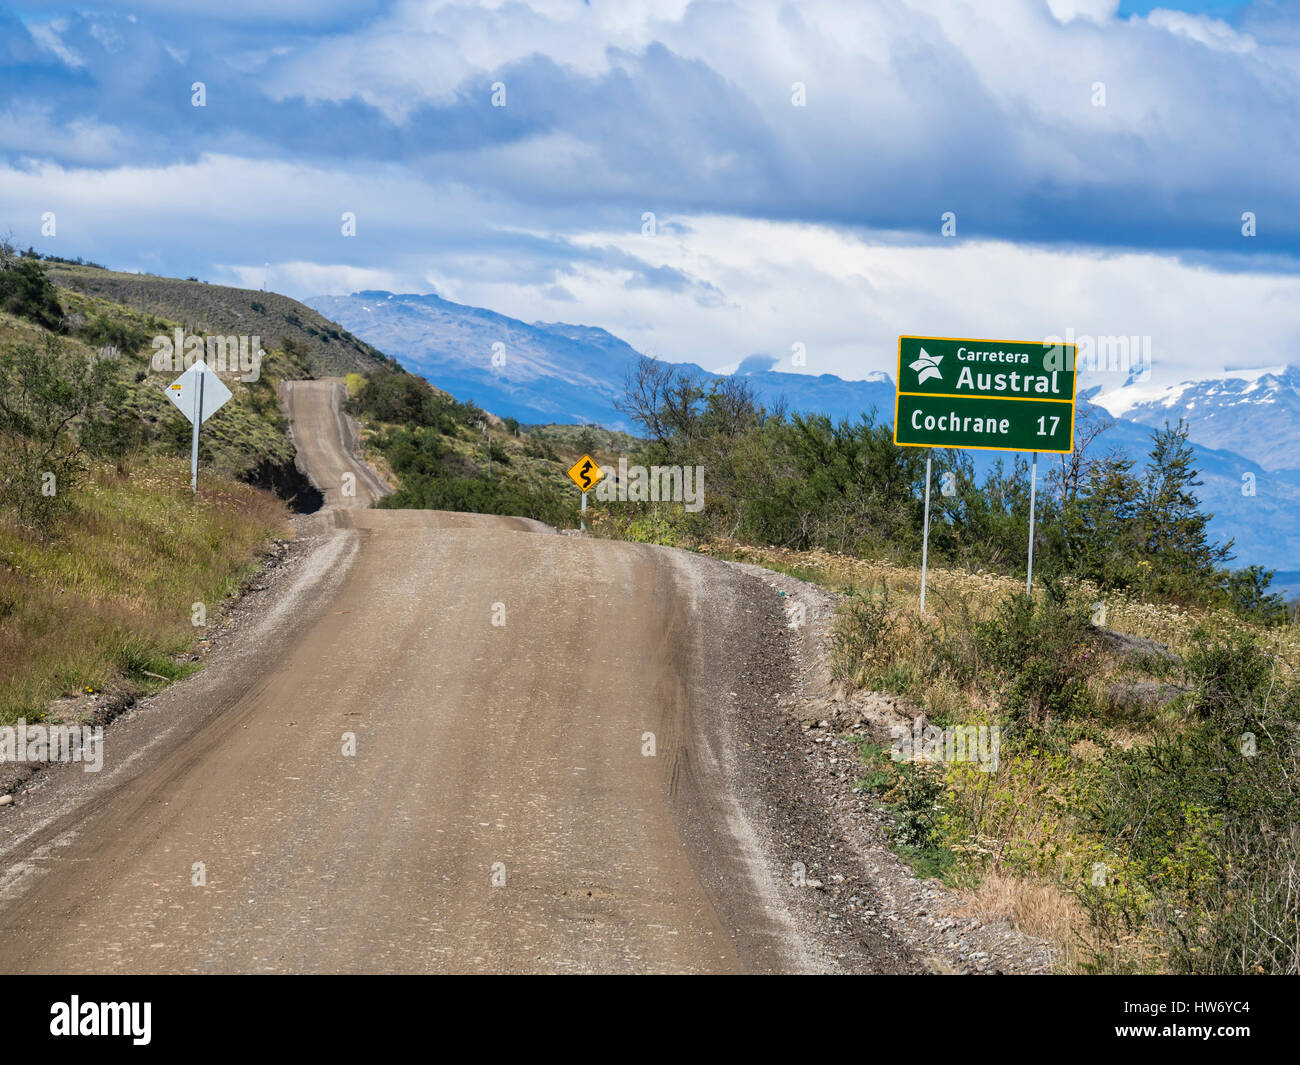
(925,539)
(194,440)
(582,521)
(1033,493)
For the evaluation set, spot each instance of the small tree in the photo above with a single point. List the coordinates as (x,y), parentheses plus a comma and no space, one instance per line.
(1176,532)
(1248,595)
(664,400)
(26,291)
(46,394)
(1103,535)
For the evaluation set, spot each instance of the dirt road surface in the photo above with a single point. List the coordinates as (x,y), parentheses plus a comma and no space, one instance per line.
(433,752)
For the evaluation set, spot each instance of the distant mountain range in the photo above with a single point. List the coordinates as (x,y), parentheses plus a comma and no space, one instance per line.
(555,372)
(549,371)
(1256,414)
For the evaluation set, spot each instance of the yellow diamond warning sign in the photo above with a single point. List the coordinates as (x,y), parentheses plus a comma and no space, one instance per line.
(586,473)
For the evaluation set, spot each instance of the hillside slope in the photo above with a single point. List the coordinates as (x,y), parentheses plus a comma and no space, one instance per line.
(101,575)
(246,440)
(220,310)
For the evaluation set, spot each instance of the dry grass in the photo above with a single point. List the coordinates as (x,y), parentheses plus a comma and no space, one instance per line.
(114,593)
(949,591)
(1053,914)
(1042,910)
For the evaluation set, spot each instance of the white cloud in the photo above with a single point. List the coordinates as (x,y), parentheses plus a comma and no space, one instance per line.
(1214,33)
(991,101)
(322,279)
(848,296)
(219,203)
(49,35)
(917,102)
(27,129)
(746,286)
(1097,10)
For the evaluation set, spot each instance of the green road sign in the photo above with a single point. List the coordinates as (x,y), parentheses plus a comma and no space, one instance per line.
(991,395)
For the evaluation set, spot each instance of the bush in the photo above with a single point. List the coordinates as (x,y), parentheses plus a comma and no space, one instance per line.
(405,399)
(1248,595)
(26,291)
(435,477)
(102,331)
(863,635)
(1207,821)
(48,398)
(1229,679)
(916,794)
(1042,650)
(480,496)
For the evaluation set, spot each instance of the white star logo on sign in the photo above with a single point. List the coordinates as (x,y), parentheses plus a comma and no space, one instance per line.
(927,366)
(198,392)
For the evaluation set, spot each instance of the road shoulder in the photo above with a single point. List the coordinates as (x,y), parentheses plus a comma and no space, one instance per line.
(858,899)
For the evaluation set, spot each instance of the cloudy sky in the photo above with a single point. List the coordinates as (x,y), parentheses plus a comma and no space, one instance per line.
(798,160)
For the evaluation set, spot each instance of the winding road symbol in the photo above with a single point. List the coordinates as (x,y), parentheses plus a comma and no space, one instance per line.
(585,473)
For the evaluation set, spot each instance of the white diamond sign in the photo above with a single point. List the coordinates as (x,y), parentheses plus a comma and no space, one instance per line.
(198,392)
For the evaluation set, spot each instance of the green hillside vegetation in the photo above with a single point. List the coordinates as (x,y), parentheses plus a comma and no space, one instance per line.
(219,310)
(437,449)
(578,440)
(103,548)
(247,440)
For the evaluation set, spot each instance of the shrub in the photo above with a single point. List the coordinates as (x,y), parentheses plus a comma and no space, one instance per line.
(1043,650)
(915,795)
(1207,819)
(102,331)
(1229,679)
(47,396)
(26,291)
(405,399)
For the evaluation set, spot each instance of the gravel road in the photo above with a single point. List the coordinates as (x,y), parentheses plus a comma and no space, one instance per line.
(441,742)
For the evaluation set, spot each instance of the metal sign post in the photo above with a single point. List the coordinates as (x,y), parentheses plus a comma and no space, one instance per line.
(197,418)
(925,538)
(1033,491)
(582,521)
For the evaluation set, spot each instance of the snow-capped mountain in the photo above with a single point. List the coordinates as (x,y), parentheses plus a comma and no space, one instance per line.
(1253,413)
(553,371)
